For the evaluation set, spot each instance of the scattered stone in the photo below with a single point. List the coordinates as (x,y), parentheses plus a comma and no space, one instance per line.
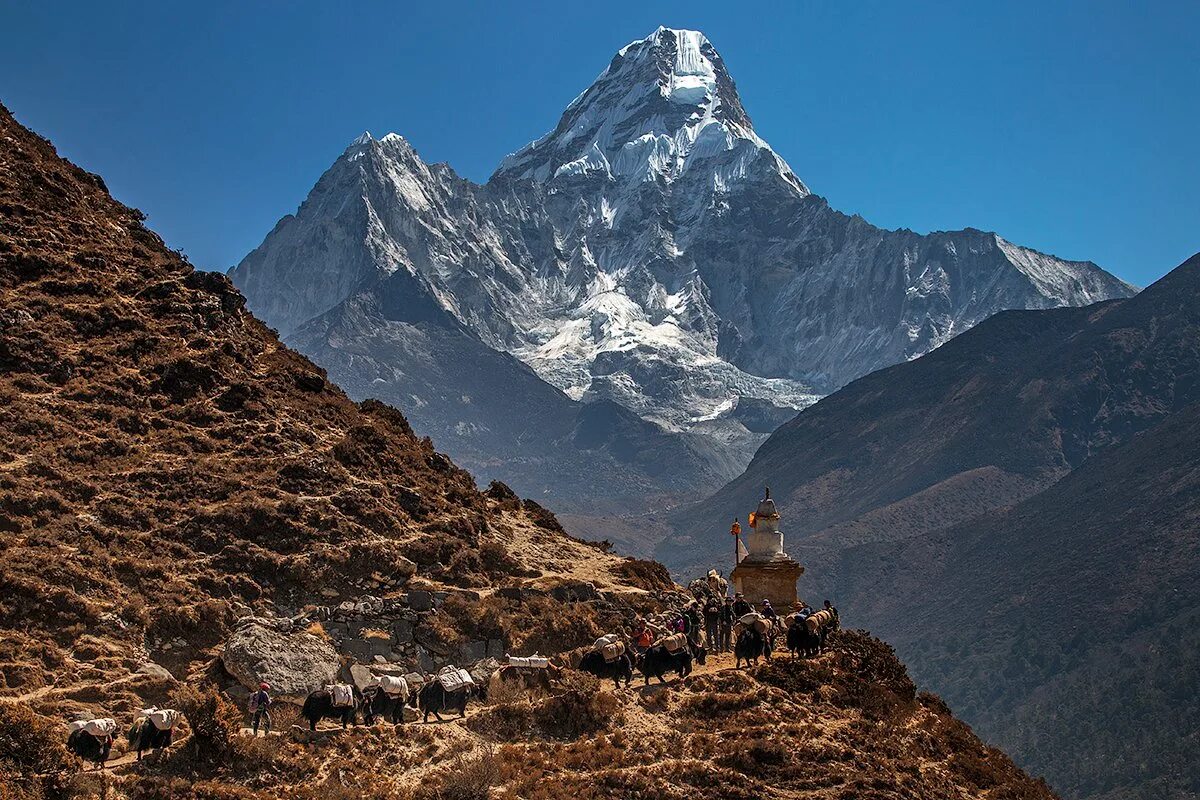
(420,600)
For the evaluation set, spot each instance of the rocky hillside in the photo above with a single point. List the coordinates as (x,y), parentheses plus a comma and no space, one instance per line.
(177,488)
(167,466)
(1018,504)
(652,251)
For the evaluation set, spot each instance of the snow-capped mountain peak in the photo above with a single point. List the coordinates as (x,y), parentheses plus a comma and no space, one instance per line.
(664,105)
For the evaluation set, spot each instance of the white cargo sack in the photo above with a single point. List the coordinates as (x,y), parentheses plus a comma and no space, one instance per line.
(342,695)
(164,719)
(534,661)
(101,728)
(393,686)
(454,679)
(613,651)
(605,641)
(674,643)
(77,725)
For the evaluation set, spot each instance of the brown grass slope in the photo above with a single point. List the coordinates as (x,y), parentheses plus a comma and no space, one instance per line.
(166,466)
(848,726)
(165,463)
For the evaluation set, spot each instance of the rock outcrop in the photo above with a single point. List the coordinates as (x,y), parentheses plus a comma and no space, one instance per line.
(292,663)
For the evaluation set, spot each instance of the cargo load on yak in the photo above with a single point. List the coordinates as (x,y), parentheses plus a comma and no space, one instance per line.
(674,643)
(452,678)
(163,719)
(534,661)
(393,686)
(610,646)
(819,620)
(754,620)
(341,695)
(100,728)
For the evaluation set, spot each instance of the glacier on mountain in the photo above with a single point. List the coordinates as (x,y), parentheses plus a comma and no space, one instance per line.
(652,250)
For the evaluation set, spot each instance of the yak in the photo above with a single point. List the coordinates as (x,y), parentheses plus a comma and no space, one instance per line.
(749,647)
(435,698)
(93,749)
(658,660)
(620,667)
(378,704)
(801,641)
(319,705)
(145,736)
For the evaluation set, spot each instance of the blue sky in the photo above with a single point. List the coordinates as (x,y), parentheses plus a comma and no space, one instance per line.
(1072,128)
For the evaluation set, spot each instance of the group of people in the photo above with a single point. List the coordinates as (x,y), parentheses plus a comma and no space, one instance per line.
(714,618)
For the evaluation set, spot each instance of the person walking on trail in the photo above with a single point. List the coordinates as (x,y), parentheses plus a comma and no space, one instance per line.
(768,611)
(740,607)
(260,704)
(712,614)
(643,637)
(695,623)
(725,625)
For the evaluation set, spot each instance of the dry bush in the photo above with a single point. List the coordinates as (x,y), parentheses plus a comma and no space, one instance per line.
(468,777)
(649,575)
(33,761)
(215,721)
(579,707)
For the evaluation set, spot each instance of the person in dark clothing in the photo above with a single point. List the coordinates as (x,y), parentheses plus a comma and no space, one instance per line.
(829,607)
(260,704)
(768,611)
(725,625)
(740,607)
(712,613)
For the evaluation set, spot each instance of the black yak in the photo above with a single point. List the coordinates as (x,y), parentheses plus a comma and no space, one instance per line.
(435,698)
(93,749)
(620,667)
(319,705)
(801,641)
(749,647)
(658,660)
(145,736)
(378,704)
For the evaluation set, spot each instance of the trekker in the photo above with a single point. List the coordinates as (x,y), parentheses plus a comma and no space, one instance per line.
(712,614)
(740,607)
(643,637)
(260,703)
(768,611)
(695,623)
(725,624)
(829,607)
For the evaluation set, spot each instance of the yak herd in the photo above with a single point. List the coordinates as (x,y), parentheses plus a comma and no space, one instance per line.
(804,635)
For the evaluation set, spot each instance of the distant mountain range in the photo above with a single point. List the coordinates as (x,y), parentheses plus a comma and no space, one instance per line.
(1019,511)
(652,254)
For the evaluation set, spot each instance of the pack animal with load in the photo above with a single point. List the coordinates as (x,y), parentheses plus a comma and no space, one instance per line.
(385,698)
(661,658)
(449,692)
(92,739)
(597,662)
(338,702)
(153,730)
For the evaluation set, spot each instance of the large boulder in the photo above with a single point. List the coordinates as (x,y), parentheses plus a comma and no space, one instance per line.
(292,663)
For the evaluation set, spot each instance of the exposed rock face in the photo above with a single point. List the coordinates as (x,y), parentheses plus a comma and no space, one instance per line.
(293,663)
(652,251)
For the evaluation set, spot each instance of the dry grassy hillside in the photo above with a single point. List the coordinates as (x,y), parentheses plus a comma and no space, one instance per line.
(166,465)
(167,469)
